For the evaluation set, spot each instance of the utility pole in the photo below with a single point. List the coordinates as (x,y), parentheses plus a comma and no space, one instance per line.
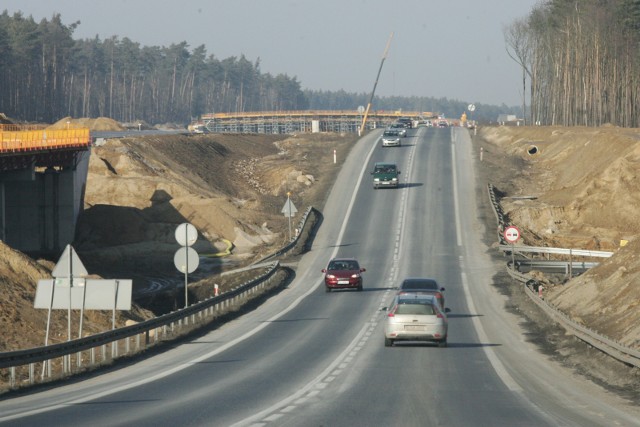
(366,113)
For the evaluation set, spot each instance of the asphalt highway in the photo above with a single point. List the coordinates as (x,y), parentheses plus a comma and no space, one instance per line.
(311,358)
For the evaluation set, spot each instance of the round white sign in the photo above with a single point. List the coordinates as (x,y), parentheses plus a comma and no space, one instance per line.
(186,260)
(511,234)
(471,107)
(186,234)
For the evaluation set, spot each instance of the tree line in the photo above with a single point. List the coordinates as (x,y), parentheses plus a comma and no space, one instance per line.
(580,59)
(48,75)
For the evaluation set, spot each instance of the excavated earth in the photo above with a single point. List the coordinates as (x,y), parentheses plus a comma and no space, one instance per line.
(572,188)
(563,187)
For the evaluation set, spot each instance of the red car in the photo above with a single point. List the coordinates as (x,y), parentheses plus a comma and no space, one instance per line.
(343,273)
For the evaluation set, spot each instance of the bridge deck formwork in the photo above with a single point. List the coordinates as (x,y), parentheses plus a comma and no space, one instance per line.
(288,122)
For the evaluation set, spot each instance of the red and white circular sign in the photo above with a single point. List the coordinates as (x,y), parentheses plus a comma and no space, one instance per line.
(511,234)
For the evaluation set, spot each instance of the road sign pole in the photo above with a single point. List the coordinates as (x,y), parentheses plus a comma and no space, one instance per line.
(186,293)
(46,335)
(181,258)
(70,286)
(115,304)
(512,235)
(289,203)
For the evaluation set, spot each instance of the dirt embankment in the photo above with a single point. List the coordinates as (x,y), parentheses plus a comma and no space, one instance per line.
(231,187)
(586,192)
(581,189)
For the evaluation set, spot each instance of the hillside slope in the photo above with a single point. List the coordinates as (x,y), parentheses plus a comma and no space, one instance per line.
(577,188)
(231,187)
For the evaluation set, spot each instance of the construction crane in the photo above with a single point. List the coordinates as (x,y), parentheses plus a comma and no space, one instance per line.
(366,113)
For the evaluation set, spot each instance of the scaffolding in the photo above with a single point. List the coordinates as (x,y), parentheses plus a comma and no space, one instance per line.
(290,122)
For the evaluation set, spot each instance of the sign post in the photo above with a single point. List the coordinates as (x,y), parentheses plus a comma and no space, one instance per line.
(289,210)
(512,235)
(186,258)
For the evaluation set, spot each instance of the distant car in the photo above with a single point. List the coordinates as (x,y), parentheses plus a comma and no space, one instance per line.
(443,124)
(406,121)
(423,286)
(415,317)
(343,273)
(391,138)
(385,175)
(399,127)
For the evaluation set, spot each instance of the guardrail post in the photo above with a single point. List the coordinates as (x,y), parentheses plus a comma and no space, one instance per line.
(127,345)
(92,355)
(48,368)
(12,382)
(31,373)
(104,352)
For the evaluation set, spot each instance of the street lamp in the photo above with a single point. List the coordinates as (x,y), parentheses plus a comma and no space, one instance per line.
(68,123)
(139,127)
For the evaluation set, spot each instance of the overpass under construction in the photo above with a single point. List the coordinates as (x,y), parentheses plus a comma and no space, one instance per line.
(43,174)
(287,122)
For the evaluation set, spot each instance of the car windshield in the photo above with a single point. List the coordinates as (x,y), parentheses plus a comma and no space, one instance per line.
(417,307)
(391,133)
(343,265)
(419,285)
(385,169)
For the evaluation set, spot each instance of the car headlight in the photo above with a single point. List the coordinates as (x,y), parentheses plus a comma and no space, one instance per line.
(330,276)
(376,179)
(394,179)
(355,276)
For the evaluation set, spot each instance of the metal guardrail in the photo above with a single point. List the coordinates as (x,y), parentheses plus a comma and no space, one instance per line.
(555,251)
(554,264)
(611,347)
(593,338)
(168,326)
(302,225)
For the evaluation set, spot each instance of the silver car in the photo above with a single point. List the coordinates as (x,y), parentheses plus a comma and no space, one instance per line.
(391,138)
(399,127)
(415,317)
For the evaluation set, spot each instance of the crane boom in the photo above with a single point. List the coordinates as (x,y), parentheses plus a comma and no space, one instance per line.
(366,113)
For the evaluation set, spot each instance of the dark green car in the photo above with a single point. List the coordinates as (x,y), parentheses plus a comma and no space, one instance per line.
(385,175)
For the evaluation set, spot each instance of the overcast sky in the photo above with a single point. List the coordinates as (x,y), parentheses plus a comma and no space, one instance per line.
(448,48)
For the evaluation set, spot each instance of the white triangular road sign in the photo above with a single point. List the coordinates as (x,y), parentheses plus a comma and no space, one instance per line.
(289,209)
(69,265)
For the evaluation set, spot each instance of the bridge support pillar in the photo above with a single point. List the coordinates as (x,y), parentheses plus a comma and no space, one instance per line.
(39,210)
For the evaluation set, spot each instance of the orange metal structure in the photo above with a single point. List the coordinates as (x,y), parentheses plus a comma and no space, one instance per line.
(17,141)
